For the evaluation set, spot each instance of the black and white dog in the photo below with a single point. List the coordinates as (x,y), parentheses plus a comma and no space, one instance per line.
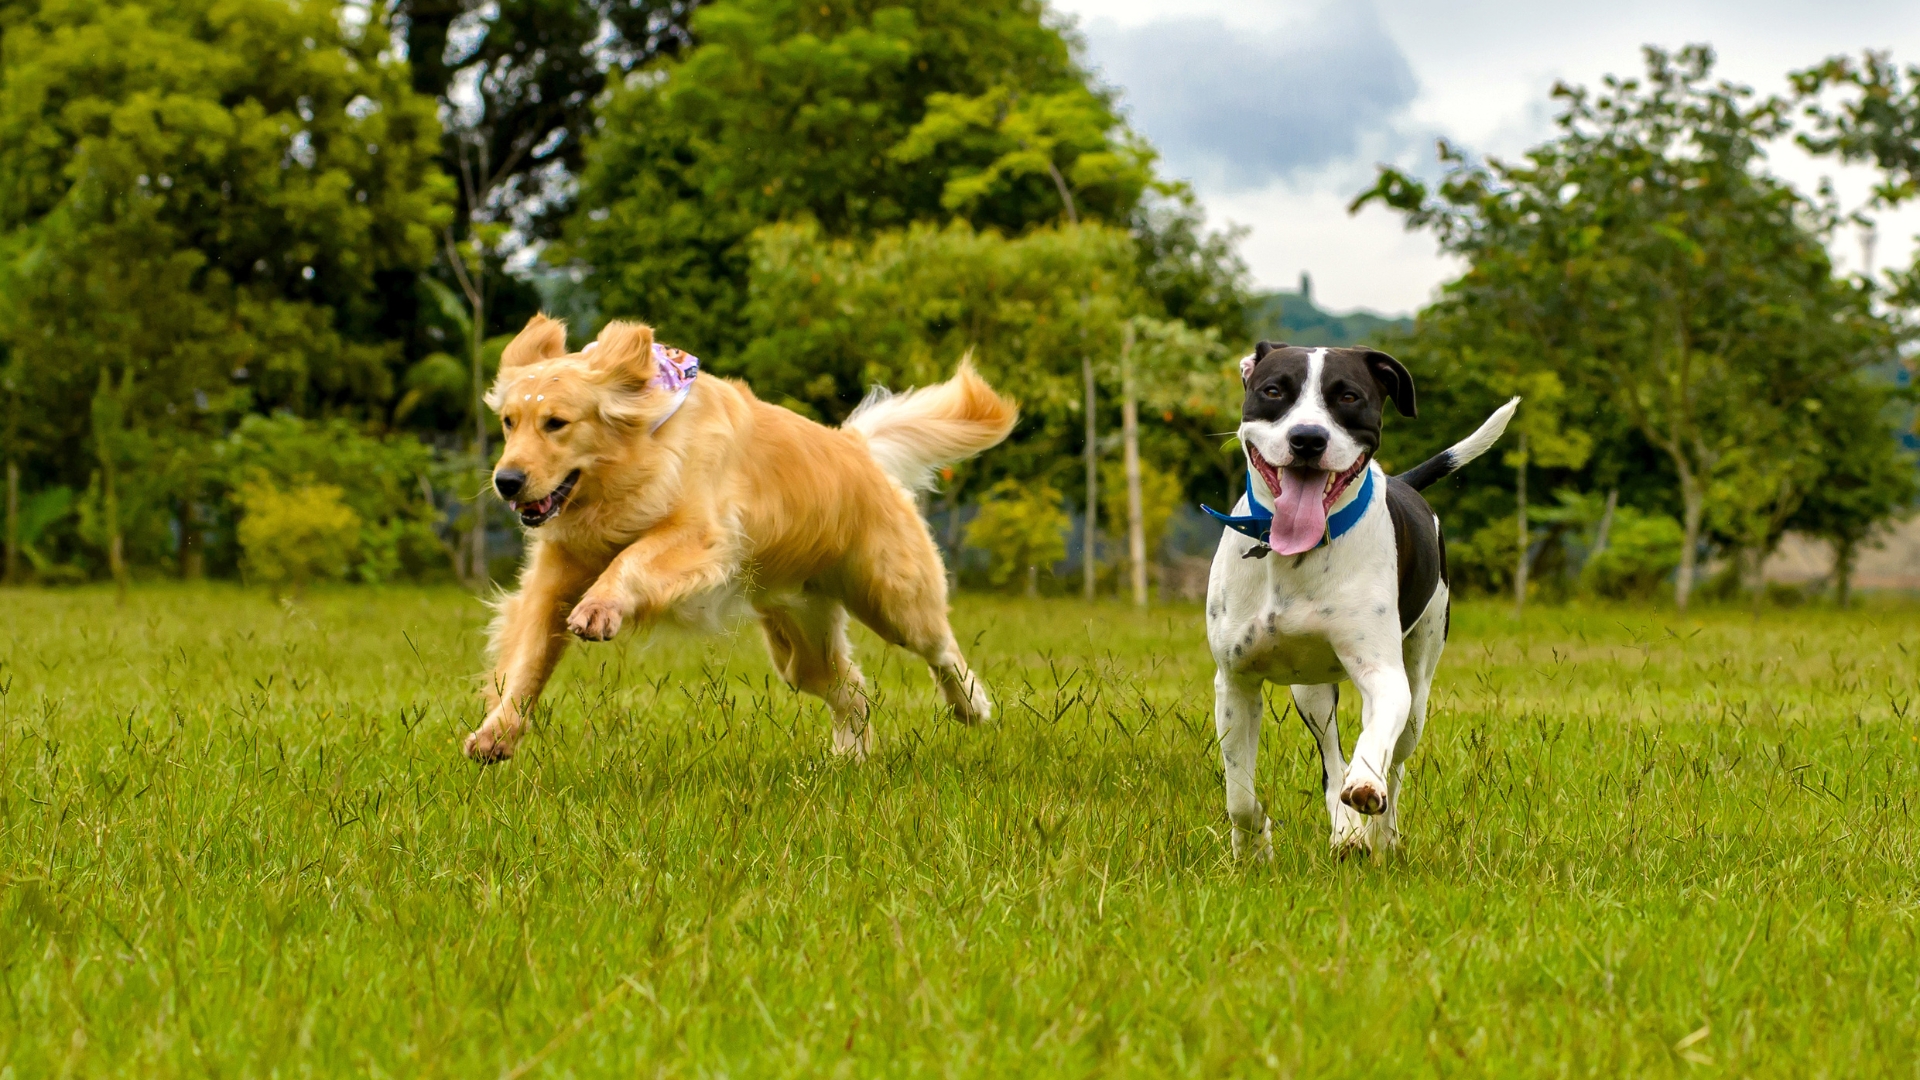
(1330,570)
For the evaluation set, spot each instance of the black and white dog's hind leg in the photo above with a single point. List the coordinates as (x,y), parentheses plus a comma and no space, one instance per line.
(1319,708)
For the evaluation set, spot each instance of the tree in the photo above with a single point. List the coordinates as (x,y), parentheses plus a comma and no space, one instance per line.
(1071,138)
(518,80)
(1659,267)
(203,197)
(1165,365)
(788,111)
(1877,118)
(1865,479)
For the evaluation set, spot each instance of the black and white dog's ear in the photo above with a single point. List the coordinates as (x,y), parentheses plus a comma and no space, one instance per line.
(1394,380)
(1259,353)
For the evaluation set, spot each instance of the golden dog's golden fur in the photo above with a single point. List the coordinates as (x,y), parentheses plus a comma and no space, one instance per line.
(729,496)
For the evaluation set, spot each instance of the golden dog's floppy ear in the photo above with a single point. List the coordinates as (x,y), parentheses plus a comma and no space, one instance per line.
(625,351)
(541,339)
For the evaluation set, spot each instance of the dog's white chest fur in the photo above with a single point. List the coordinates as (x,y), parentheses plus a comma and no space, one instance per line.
(1277,616)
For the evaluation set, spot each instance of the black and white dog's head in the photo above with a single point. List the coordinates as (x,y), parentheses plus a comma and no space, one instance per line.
(1310,425)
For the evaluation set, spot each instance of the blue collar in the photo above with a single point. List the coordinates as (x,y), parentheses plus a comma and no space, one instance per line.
(1258,522)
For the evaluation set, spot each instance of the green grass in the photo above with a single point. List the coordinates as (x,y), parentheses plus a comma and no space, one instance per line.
(238,839)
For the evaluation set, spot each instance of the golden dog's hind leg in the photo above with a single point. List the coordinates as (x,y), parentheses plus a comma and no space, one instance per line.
(900,591)
(808,642)
(529,635)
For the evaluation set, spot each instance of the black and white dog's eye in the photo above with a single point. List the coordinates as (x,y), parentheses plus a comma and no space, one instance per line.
(554,423)
(1349,398)
(1271,391)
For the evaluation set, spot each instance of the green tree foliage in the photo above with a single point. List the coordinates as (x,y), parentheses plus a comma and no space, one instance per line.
(833,317)
(519,79)
(1068,138)
(203,195)
(1875,118)
(1023,527)
(1645,260)
(829,318)
(860,118)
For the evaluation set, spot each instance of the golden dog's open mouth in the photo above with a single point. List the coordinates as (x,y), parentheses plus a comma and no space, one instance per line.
(536,512)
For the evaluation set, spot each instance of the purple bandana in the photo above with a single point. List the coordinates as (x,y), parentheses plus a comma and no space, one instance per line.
(673,372)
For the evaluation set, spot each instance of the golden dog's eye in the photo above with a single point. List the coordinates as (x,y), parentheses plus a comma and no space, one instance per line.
(507,422)
(554,423)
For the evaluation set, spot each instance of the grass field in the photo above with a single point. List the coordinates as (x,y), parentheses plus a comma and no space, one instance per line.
(238,839)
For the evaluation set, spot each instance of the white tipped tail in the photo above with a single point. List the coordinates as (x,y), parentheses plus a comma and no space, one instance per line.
(1442,464)
(913,433)
(1483,439)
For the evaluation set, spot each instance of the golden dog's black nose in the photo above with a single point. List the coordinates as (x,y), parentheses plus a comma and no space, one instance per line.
(508,482)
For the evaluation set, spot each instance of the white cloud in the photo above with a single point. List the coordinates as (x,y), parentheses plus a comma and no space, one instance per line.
(1235,108)
(1480,71)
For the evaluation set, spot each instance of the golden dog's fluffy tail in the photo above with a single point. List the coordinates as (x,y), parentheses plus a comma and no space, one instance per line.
(914,433)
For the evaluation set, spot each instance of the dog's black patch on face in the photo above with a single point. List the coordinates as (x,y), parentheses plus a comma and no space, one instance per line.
(1354,398)
(1279,376)
(1356,385)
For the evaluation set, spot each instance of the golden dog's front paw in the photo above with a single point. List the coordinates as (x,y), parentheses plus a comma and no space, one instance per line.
(489,745)
(595,619)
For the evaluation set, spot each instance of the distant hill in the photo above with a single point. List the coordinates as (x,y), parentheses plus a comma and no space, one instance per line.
(1294,318)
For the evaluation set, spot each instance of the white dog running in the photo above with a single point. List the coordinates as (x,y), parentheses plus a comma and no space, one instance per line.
(1333,570)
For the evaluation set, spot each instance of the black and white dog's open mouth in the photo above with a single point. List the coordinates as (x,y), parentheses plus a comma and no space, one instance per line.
(1302,497)
(536,512)
(1332,485)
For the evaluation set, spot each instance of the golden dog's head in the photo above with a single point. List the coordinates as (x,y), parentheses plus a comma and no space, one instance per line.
(566,415)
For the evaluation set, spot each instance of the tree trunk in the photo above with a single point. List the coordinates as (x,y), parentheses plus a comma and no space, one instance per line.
(192,558)
(1033,581)
(13,523)
(1693,510)
(481,577)
(1130,438)
(1601,534)
(1089,568)
(1520,564)
(1845,551)
(110,510)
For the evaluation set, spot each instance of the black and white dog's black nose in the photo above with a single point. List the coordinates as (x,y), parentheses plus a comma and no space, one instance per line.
(1307,441)
(508,482)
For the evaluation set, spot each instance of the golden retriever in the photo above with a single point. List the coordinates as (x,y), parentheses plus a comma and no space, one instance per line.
(640,502)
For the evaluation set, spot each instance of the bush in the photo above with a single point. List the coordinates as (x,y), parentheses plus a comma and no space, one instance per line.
(1642,549)
(385,483)
(294,537)
(1484,562)
(1022,527)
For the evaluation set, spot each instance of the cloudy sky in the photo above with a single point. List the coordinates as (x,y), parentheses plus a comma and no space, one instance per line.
(1278,110)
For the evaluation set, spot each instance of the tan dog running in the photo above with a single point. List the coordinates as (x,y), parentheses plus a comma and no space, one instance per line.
(631,518)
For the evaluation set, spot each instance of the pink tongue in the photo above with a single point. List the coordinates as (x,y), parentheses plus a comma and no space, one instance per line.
(1299,511)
